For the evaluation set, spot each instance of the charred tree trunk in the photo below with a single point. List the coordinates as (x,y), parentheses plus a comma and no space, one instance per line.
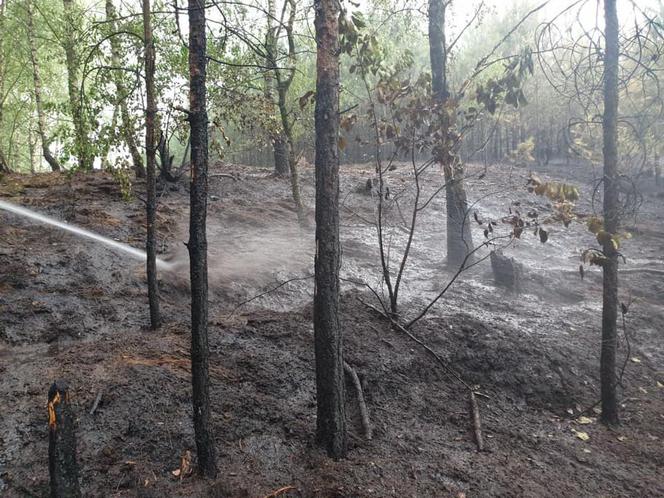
(197,245)
(330,389)
(150,155)
(82,142)
(36,78)
(459,237)
(281,167)
(127,129)
(611,218)
(166,159)
(62,465)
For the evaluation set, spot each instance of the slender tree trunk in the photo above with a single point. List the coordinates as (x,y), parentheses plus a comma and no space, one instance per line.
(279,146)
(459,237)
(290,148)
(83,146)
(127,129)
(330,389)
(32,144)
(197,245)
(611,218)
(283,86)
(150,154)
(36,78)
(4,167)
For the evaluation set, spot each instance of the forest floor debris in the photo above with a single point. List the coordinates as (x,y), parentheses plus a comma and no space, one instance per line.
(78,311)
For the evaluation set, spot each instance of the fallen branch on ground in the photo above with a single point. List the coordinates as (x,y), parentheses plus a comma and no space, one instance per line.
(281,491)
(477,423)
(224,175)
(95,405)
(474,408)
(258,296)
(364,413)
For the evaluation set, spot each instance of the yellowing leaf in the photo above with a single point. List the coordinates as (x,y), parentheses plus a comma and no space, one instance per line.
(584,420)
(595,225)
(583,436)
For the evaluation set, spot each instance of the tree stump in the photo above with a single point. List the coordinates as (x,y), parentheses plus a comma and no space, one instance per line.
(62,466)
(506,271)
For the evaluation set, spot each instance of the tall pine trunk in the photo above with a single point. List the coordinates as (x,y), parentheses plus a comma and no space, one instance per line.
(150,155)
(197,244)
(83,147)
(331,416)
(459,237)
(36,78)
(611,218)
(127,129)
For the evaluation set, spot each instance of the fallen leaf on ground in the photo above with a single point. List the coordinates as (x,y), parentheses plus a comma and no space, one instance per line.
(583,436)
(585,420)
(185,469)
(635,360)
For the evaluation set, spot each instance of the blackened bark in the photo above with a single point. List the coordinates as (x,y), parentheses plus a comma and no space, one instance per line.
(150,155)
(36,78)
(166,159)
(330,389)
(197,239)
(459,237)
(281,167)
(611,218)
(62,465)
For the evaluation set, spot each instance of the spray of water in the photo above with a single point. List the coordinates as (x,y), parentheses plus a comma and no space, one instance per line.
(81,232)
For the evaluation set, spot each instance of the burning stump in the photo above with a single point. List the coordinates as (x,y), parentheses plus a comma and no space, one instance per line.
(62,466)
(506,271)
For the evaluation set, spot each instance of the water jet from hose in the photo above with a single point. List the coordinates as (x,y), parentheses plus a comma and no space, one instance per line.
(81,232)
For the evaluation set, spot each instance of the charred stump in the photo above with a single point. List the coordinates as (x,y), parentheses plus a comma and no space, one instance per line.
(506,271)
(62,465)
(281,166)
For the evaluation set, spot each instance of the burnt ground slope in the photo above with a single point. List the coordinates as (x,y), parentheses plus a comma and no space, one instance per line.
(74,309)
